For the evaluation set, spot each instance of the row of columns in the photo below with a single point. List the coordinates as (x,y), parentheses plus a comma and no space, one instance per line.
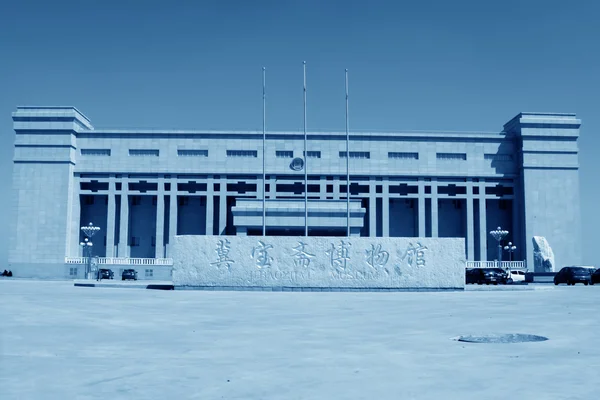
(123,245)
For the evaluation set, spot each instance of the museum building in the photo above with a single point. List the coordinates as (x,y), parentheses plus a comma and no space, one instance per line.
(143,187)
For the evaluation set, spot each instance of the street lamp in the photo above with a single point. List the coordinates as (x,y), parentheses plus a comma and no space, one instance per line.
(511,249)
(499,234)
(86,249)
(89,231)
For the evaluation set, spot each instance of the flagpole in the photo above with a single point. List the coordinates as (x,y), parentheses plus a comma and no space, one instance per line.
(347,162)
(305,158)
(264,212)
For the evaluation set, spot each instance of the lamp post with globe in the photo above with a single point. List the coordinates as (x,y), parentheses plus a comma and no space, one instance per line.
(499,234)
(89,231)
(511,249)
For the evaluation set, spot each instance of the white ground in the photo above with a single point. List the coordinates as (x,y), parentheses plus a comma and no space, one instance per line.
(63,342)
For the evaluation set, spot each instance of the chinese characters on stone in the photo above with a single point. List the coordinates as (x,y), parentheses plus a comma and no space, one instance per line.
(376,257)
(339,256)
(261,255)
(301,256)
(414,255)
(222,250)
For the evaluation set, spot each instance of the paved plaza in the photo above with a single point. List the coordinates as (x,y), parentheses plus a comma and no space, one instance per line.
(58,341)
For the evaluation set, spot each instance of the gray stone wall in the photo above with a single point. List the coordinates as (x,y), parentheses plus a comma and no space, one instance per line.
(318,262)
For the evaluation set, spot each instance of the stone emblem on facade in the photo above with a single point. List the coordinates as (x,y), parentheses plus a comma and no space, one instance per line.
(222,250)
(376,257)
(297,164)
(301,256)
(260,254)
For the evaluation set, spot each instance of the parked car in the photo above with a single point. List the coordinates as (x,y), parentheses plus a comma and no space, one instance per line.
(596,276)
(104,273)
(488,276)
(129,274)
(517,275)
(472,275)
(573,275)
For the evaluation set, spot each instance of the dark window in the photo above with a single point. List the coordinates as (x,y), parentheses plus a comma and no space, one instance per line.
(356,154)
(143,186)
(498,157)
(452,190)
(95,152)
(143,152)
(313,154)
(403,156)
(242,153)
(284,154)
(451,156)
(192,153)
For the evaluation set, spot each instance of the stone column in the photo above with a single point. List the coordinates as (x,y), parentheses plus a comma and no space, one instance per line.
(516,224)
(421,209)
(434,208)
(272,192)
(123,250)
(111,217)
(172,215)
(385,208)
(210,204)
(336,187)
(223,205)
(372,208)
(160,219)
(75,220)
(483,234)
(323,187)
(470,224)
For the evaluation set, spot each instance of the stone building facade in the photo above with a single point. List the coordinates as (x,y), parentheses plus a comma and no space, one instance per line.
(143,187)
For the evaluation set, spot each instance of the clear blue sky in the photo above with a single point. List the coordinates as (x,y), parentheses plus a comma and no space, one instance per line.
(440,65)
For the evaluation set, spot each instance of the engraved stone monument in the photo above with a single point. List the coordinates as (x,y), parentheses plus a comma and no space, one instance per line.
(318,263)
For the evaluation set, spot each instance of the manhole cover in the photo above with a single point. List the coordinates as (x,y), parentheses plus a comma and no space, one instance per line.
(501,338)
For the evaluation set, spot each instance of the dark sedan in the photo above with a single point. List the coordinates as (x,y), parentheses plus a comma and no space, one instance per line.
(596,276)
(488,276)
(573,275)
(129,274)
(105,274)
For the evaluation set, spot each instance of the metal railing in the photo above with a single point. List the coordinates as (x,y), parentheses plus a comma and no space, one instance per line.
(121,261)
(496,264)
